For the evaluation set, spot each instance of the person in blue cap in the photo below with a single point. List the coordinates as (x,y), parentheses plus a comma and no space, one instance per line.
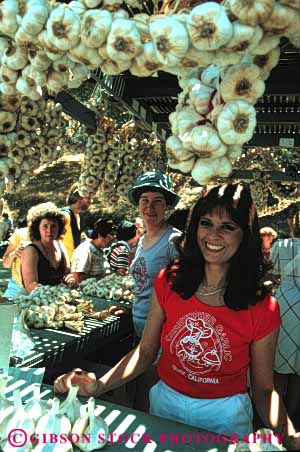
(153,195)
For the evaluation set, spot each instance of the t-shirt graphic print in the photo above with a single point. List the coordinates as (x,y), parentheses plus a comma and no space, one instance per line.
(199,344)
(206,349)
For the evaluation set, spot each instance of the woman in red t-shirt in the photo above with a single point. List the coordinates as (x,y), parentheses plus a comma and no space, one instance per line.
(214,319)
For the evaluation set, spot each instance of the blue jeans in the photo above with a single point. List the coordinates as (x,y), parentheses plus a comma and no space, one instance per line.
(13,289)
(227,415)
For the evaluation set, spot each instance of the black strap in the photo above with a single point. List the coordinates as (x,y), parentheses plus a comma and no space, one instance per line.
(74,226)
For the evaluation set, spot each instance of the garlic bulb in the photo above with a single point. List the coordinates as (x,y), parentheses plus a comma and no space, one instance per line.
(206,143)
(8,17)
(251,12)
(236,122)
(27,87)
(92,3)
(242,82)
(35,17)
(95,26)
(147,62)
(53,421)
(15,58)
(141,21)
(78,7)
(244,37)
(184,121)
(178,157)
(205,169)
(36,407)
(109,66)
(71,405)
(195,58)
(200,96)
(19,419)
(9,103)
(37,77)
(85,55)
(170,40)
(208,26)
(7,121)
(265,45)
(211,76)
(38,59)
(280,20)
(8,75)
(267,62)
(4,44)
(56,81)
(124,41)
(7,89)
(92,425)
(63,28)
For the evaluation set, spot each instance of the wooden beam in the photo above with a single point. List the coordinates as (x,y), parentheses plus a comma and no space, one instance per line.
(279,176)
(274,140)
(77,110)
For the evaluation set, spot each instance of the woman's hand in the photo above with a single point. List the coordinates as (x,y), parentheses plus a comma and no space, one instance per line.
(70,281)
(88,384)
(19,251)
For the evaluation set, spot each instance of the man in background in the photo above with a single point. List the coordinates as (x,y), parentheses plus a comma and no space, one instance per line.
(77,202)
(89,260)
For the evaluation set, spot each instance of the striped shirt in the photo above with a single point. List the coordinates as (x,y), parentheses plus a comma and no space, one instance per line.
(119,256)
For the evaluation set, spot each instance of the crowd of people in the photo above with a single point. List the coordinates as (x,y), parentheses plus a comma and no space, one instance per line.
(210,334)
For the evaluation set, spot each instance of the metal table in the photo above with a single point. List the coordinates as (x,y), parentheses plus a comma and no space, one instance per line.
(52,345)
(134,430)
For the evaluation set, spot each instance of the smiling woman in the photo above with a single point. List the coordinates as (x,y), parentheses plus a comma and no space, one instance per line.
(218,238)
(214,319)
(45,260)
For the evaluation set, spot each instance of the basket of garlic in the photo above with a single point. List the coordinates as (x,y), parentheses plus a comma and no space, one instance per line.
(113,287)
(37,418)
(56,307)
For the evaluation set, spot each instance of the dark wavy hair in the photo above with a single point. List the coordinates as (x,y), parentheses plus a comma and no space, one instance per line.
(52,214)
(245,278)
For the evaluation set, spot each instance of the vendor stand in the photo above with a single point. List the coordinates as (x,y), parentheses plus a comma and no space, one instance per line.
(100,341)
(132,429)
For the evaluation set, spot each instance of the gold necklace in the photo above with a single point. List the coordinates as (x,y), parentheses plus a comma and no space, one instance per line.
(214,292)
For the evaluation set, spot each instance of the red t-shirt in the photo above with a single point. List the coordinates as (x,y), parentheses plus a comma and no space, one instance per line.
(206,349)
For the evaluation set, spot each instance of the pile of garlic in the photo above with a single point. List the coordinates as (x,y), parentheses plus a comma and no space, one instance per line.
(53,46)
(215,116)
(53,307)
(112,287)
(42,418)
(96,155)
(34,135)
(114,157)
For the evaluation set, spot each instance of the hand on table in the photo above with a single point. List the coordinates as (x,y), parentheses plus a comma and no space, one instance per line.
(70,281)
(87,382)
